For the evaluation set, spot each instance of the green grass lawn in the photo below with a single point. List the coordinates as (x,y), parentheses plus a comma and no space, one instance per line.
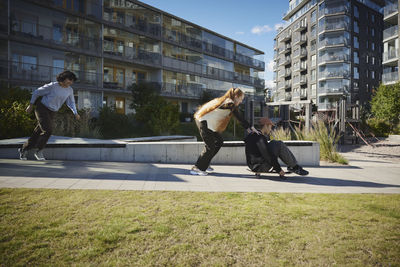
(144,228)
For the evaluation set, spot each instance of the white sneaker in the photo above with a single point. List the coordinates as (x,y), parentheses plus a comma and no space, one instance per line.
(196,171)
(39,155)
(23,155)
(210,169)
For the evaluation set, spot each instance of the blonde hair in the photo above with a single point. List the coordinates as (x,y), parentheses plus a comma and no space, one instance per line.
(232,94)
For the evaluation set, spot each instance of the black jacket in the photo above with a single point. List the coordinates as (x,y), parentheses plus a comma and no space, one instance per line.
(258,153)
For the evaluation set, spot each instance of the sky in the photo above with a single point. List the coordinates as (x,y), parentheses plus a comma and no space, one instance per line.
(252,22)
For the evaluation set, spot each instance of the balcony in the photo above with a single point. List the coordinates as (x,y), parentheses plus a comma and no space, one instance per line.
(339,26)
(303,53)
(285,36)
(325,106)
(390,77)
(334,74)
(390,12)
(287,61)
(327,42)
(300,39)
(300,26)
(185,90)
(288,72)
(329,89)
(285,48)
(333,58)
(340,9)
(303,79)
(303,66)
(288,96)
(217,50)
(44,35)
(288,84)
(248,61)
(390,33)
(127,53)
(296,94)
(390,57)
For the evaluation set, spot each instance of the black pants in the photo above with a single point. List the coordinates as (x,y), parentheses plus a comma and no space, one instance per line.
(213,142)
(280,150)
(43,130)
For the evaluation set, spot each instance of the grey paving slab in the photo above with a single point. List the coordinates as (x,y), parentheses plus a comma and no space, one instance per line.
(362,175)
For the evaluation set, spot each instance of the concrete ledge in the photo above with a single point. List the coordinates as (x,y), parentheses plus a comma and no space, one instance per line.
(394,138)
(306,152)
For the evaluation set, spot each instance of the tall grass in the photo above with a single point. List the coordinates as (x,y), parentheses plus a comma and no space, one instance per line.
(325,135)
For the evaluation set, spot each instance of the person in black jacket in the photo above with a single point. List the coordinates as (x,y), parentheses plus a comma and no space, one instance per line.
(262,153)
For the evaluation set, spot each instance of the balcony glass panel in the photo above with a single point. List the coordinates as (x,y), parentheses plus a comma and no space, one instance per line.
(390,77)
(334,54)
(334,86)
(334,23)
(391,54)
(334,38)
(330,8)
(389,9)
(391,32)
(334,70)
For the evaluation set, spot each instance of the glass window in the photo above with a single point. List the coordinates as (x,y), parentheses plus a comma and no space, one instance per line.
(356,28)
(58,66)
(356,58)
(373,74)
(373,46)
(356,13)
(57,33)
(356,74)
(314,16)
(372,32)
(356,44)
(313,60)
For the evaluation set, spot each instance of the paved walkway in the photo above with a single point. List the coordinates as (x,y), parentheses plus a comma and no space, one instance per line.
(362,175)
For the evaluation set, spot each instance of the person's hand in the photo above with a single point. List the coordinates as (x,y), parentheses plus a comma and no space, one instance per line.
(254,130)
(29,108)
(281,173)
(77,116)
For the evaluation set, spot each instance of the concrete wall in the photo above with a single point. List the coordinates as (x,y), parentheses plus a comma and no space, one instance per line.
(306,153)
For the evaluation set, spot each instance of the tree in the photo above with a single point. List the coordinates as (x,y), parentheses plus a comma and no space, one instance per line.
(385,104)
(153,111)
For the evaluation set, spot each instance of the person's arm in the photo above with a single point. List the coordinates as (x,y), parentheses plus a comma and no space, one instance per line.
(41,91)
(267,155)
(71,104)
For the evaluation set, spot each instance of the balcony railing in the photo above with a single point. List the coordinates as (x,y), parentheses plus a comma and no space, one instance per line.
(327,106)
(131,53)
(390,77)
(333,42)
(212,72)
(334,10)
(303,93)
(288,96)
(334,74)
(333,58)
(334,26)
(389,55)
(391,32)
(300,39)
(286,36)
(192,42)
(390,9)
(179,90)
(45,34)
(330,89)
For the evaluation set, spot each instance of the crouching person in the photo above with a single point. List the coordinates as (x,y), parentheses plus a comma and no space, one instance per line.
(262,154)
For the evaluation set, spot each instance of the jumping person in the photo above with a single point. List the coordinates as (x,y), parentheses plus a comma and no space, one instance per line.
(53,95)
(262,153)
(212,118)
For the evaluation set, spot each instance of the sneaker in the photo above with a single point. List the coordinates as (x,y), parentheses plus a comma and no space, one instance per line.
(298,170)
(196,171)
(210,169)
(39,155)
(23,155)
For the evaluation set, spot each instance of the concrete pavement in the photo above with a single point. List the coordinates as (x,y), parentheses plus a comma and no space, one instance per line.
(362,175)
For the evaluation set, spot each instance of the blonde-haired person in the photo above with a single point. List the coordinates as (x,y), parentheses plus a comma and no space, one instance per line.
(212,118)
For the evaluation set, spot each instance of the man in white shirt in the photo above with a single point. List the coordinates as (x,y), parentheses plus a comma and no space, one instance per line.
(53,95)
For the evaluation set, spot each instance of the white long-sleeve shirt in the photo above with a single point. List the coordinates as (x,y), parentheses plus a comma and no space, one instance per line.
(54,96)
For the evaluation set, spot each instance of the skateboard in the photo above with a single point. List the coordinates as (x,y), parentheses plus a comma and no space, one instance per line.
(258,174)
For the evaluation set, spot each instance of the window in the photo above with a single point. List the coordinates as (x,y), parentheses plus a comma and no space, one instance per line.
(356,74)
(356,13)
(313,89)
(57,33)
(313,16)
(356,28)
(120,105)
(313,60)
(373,46)
(313,75)
(372,74)
(356,44)
(356,58)
(138,76)
(372,18)
(367,59)
(58,66)
(372,32)
(373,60)
(105,101)
(367,44)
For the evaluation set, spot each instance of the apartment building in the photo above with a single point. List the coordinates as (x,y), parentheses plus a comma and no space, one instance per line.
(391,50)
(111,44)
(329,50)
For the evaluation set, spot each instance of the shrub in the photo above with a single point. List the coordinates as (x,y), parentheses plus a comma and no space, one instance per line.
(14,121)
(114,125)
(380,127)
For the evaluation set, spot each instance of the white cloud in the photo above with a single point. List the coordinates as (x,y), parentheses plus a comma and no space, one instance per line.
(270,84)
(239,33)
(261,29)
(270,65)
(280,25)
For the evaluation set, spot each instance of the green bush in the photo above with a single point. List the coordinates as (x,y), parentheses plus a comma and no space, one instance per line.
(14,120)
(114,125)
(379,127)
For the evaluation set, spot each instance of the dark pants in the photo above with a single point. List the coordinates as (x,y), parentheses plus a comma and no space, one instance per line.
(213,142)
(43,130)
(280,150)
